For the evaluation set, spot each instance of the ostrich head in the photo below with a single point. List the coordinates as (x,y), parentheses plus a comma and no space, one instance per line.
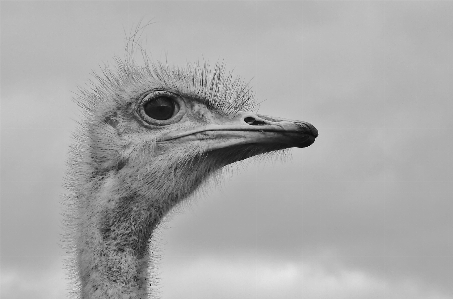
(152,134)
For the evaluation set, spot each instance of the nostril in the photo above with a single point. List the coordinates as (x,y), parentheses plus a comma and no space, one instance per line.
(254,122)
(249,120)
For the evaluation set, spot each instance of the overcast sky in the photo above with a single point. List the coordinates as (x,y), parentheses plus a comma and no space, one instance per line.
(365,212)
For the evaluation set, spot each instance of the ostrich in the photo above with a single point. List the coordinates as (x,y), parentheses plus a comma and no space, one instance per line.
(151,135)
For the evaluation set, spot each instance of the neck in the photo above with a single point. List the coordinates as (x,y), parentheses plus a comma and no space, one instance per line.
(118,213)
(111,272)
(113,241)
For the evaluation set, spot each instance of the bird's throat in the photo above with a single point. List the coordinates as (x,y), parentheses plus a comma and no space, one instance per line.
(118,213)
(113,256)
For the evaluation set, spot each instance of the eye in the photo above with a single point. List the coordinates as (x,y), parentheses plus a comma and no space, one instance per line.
(160,108)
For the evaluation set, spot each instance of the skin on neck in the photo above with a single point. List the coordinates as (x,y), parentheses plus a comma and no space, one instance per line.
(112,260)
(118,214)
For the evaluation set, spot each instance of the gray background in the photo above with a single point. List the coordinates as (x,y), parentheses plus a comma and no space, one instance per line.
(365,212)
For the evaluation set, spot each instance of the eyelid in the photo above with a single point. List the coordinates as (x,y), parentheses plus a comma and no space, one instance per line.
(150,95)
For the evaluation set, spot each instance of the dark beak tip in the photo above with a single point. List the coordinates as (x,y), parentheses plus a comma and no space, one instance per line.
(314,131)
(309,128)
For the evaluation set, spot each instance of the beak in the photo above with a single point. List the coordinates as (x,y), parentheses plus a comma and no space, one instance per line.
(247,128)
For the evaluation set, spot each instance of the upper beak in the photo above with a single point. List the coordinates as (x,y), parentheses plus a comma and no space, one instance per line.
(249,128)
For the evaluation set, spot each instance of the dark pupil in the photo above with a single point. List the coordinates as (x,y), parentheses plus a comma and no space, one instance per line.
(161,108)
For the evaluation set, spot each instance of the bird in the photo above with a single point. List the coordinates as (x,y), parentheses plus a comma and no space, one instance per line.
(151,135)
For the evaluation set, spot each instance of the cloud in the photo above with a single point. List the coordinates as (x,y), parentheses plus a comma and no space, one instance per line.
(35,136)
(256,278)
(21,284)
